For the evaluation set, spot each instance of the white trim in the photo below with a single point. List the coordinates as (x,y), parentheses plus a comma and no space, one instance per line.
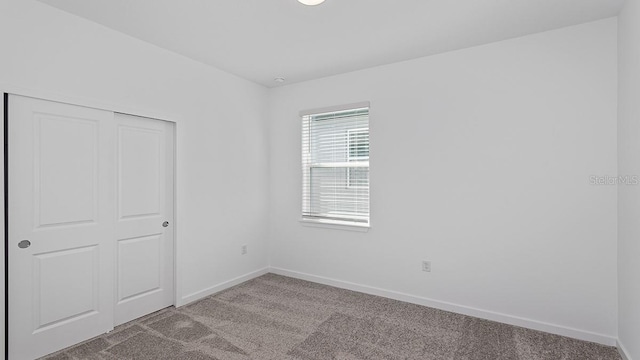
(220,287)
(623,351)
(460,309)
(336,224)
(330,109)
(177,282)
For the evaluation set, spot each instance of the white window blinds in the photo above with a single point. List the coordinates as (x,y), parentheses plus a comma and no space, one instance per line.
(335,166)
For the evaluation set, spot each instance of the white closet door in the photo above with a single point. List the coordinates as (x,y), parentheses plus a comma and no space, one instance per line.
(144,221)
(61,225)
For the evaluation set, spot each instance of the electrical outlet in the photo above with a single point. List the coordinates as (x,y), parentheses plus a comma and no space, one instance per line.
(243,250)
(426,266)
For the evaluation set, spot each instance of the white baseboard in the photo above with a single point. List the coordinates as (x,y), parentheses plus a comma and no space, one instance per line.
(446,306)
(623,351)
(222,286)
(460,309)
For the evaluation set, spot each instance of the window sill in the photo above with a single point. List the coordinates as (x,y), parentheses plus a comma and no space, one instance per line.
(335,225)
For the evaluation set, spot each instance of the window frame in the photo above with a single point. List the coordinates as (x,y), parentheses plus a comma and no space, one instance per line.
(328,220)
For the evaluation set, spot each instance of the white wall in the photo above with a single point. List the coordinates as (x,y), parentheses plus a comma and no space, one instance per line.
(480,162)
(222,162)
(505,136)
(629,164)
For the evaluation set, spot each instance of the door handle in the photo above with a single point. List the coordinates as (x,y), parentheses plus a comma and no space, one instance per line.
(24,244)
(165,224)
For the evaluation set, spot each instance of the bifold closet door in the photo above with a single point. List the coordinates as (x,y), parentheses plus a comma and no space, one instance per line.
(61,225)
(144,221)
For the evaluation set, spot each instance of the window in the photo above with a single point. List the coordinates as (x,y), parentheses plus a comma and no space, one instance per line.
(335,165)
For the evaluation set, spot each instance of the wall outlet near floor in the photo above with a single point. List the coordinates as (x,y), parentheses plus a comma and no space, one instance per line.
(243,250)
(426,266)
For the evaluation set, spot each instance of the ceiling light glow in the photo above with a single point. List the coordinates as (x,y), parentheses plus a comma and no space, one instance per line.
(311,2)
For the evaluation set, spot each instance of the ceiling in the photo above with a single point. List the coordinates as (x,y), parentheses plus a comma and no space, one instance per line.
(263,39)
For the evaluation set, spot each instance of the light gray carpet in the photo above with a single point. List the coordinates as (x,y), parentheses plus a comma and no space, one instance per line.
(280,318)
